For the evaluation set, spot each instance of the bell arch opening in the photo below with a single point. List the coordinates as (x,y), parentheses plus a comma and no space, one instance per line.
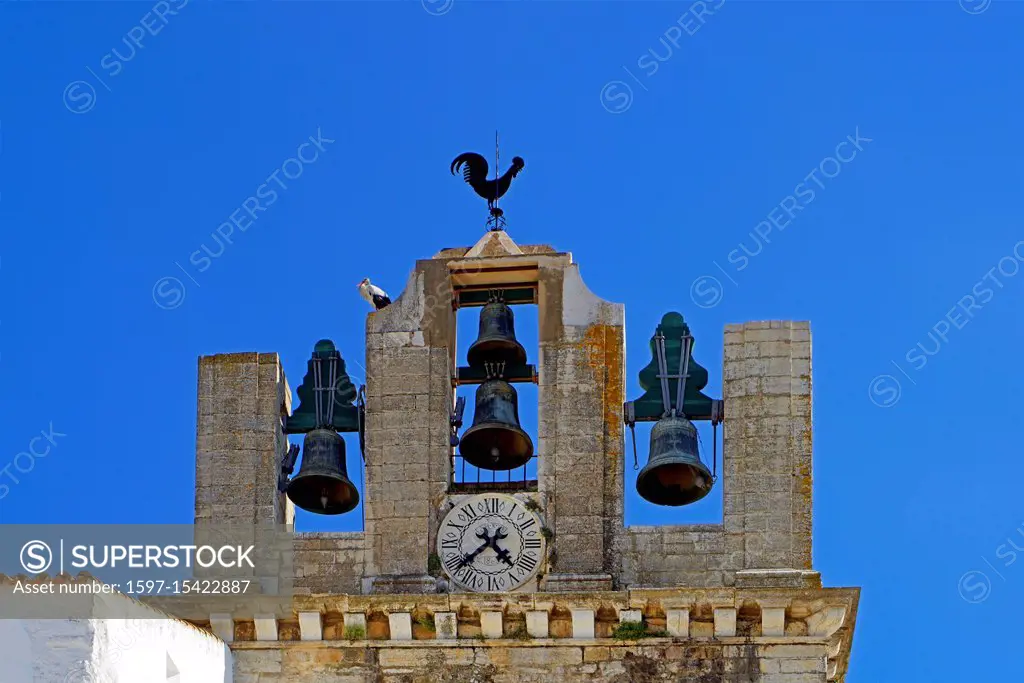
(498,436)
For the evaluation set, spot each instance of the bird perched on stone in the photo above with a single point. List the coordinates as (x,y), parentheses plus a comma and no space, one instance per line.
(375,295)
(474,171)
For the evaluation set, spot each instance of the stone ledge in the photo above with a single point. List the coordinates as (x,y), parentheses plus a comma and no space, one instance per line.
(721,616)
(516,643)
(778,578)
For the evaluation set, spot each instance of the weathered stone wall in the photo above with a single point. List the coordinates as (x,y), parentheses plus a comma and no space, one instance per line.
(695,555)
(524,636)
(408,402)
(329,563)
(580,429)
(766,472)
(767,442)
(735,661)
(240,440)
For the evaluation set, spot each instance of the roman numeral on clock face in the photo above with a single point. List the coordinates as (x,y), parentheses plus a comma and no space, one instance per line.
(470,578)
(453,562)
(526,525)
(531,543)
(528,561)
(453,544)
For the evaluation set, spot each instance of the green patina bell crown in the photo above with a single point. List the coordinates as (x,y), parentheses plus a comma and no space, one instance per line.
(326,395)
(674,475)
(673,330)
(326,407)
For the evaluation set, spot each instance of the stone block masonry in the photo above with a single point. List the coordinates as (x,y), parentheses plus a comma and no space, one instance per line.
(240,440)
(409,399)
(526,635)
(330,563)
(581,390)
(535,662)
(767,442)
(766,475)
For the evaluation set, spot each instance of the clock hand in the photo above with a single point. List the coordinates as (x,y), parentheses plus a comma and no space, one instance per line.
(482,533)
(466,559)
(502,553)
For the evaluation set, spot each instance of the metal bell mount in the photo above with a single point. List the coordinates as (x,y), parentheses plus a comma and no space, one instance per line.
(322,485)
(674,474)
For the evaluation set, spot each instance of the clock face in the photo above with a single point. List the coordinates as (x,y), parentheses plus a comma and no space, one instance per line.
(491,543)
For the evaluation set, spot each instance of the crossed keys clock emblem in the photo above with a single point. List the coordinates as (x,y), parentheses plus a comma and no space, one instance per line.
(491,543)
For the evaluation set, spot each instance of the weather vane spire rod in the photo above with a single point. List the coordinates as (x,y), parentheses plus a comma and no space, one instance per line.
(496,220)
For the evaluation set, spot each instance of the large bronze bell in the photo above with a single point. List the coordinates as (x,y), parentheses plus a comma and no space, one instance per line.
(496,342)
(674,474)
(322,484)
(496,441)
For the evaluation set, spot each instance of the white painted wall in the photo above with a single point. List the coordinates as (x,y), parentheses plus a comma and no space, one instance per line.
(111,650)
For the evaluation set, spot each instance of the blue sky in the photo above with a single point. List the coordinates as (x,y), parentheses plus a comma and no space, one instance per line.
(664,151)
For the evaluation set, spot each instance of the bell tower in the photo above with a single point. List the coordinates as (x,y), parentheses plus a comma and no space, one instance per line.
(412,372)
(529,577)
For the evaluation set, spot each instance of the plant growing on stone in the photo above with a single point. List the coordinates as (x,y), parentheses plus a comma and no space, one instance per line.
(547,533)
(426,622)
(519,632)
(634,630)
(355,633)
(531,505)
(434,564)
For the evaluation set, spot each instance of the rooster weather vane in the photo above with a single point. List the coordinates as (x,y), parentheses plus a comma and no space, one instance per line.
(474,172)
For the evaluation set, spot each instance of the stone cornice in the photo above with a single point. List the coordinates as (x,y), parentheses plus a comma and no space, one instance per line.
(721,616)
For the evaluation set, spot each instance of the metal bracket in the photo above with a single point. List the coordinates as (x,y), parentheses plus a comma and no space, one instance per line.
(455,420)
(514,374)
(717,411)
(287,467)
(495,370)
(322,394)
(682,375)
(361,407)
(629,417)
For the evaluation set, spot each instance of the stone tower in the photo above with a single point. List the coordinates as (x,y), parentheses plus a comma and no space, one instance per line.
(735,601)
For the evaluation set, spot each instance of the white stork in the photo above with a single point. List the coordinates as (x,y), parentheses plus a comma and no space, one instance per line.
(375,295)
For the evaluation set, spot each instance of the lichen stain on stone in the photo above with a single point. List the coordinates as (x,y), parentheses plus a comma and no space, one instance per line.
(600,346)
